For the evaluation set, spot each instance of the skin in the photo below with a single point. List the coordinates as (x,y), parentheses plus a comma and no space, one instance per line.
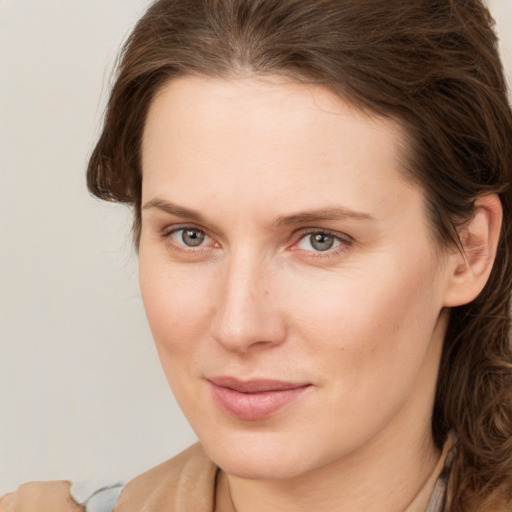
(362,322)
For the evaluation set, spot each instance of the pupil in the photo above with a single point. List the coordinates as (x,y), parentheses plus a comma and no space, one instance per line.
(192,237)
(322,242)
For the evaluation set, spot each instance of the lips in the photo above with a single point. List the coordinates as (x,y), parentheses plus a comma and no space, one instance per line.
(254,399)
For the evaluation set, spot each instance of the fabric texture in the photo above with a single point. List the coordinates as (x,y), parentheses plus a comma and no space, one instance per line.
(185,483)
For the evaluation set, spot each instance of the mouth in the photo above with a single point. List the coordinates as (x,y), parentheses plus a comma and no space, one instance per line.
(254,399)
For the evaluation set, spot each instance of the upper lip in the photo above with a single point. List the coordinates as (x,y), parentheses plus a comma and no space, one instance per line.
(255,385)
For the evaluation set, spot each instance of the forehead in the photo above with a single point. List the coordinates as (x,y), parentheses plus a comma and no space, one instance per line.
(280,137)
(265,98)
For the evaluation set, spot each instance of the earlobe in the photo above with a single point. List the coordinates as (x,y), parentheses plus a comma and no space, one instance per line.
(471,266)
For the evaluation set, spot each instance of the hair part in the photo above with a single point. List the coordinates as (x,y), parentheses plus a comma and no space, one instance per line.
(433,65)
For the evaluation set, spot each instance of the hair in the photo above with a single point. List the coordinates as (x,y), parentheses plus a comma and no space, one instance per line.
(433,65)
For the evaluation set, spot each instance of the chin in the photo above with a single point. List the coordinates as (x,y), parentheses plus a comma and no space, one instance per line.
(260,456)
(252,468)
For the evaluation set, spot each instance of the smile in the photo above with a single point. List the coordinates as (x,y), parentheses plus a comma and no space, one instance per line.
(255,399)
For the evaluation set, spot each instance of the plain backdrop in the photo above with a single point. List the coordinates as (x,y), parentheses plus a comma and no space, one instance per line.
(82,394)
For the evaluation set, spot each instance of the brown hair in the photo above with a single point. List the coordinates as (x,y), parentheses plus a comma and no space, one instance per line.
(433,65)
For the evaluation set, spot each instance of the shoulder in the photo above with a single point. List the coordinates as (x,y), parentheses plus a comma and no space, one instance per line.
(185,482)
(40,497)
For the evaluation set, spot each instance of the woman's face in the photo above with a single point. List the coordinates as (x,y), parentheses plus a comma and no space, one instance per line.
(289,274)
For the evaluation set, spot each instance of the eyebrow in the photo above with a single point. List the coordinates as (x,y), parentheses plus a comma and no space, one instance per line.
(323,214)
(334,213)
(173,209)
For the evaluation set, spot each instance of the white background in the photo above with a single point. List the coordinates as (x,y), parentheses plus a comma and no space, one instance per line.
(81,390)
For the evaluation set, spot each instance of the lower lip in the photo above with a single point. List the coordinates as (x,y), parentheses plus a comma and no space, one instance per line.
(254,406)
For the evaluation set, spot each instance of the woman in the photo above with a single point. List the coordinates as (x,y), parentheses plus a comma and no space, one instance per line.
(322,205)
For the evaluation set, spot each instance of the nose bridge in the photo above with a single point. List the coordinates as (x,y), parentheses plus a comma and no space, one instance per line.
(245,312)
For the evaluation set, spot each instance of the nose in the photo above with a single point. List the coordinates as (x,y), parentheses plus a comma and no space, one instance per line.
(246,314)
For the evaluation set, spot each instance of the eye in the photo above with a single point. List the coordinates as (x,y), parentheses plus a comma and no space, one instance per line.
(320,241)
(190,237)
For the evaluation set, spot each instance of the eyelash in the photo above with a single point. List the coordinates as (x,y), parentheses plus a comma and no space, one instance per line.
(344,241)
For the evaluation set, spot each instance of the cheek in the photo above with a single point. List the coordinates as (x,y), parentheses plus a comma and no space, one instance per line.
(368,322)
(177,304)
(177,308)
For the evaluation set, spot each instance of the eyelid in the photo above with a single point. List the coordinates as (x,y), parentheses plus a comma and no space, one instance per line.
(301,233)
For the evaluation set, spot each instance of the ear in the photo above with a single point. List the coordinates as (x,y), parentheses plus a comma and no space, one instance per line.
(470,267)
